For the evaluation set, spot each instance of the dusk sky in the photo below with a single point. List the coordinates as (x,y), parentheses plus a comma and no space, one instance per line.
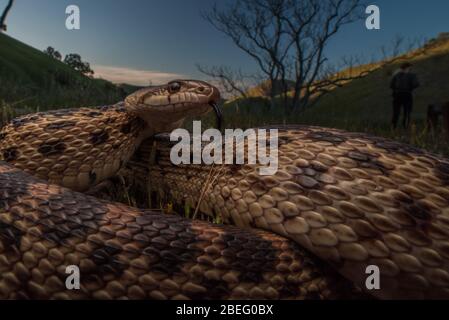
(137,40)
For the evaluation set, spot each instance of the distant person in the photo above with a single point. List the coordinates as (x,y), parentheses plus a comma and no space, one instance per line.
(403,84)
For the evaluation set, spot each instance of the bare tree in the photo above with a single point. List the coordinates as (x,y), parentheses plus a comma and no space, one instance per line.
(4,15)
(356,67)
(255,30)
(286,38)
(234,83)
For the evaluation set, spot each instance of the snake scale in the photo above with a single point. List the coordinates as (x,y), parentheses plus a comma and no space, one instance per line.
(339,202)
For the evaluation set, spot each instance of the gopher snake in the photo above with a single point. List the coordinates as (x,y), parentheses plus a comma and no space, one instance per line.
(350,200)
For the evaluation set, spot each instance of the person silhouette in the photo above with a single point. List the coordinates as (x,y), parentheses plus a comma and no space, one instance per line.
(403,83)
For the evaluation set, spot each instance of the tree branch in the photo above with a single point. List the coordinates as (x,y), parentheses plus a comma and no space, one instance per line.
(4,15)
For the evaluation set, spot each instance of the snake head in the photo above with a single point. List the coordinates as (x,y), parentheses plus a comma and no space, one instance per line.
(165,107)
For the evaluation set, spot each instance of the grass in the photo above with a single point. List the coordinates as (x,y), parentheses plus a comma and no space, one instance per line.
(256,112)
(362,105)
(30,80)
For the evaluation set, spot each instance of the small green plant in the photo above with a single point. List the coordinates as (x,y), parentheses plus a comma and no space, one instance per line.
(187,210)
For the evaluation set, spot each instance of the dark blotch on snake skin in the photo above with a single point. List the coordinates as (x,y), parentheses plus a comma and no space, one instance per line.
(17,123)
(3,135)
(419,212)
(106,261)
(442,172)
(53,148)
(251,268)
(134,125)
(109,120)
(283,140)
(216,290)
(126,128)
(334,138)
(169,243)
(99,138)
(120,109)
(291,290)
(64,230)
(94,114)
(61,125)
(60,113)
(10,236)
(10,154)
(105,108)
(366,160)
(92,177)
(58,229)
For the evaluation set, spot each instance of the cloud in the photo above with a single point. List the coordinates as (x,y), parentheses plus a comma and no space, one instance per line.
(133,76)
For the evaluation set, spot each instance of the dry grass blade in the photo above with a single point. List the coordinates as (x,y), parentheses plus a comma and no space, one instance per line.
(211,178)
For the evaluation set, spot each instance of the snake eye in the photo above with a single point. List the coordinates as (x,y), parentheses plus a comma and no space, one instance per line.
(200,89)
(174,87)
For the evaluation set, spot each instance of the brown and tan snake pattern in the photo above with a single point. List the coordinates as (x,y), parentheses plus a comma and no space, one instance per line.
(350,200)
(124,252)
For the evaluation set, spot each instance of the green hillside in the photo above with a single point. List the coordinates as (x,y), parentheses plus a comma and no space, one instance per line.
(31,79)
(364,104)
(368,100)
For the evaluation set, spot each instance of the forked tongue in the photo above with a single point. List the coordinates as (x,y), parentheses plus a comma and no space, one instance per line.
(218,114)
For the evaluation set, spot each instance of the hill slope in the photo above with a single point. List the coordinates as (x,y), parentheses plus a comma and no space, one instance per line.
(368,100)
(363,104)
(30,78)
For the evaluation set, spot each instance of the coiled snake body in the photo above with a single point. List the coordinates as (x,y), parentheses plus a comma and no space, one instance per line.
(347,200)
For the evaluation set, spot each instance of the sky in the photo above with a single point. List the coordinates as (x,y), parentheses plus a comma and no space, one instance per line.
(135,41)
